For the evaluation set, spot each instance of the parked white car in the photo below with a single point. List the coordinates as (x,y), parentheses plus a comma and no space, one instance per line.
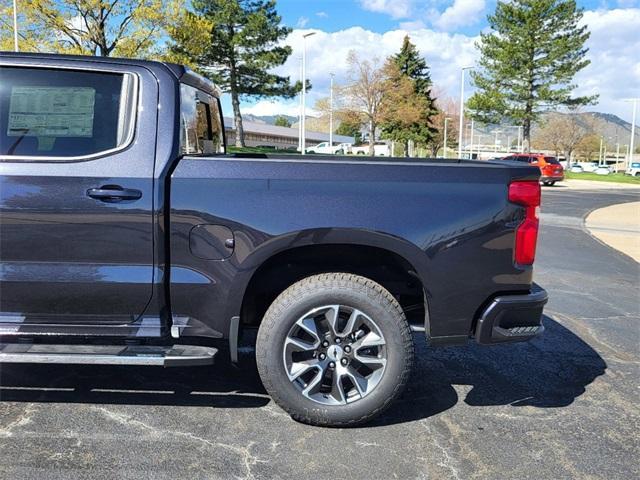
(603,170)
(588,166)
(633,169)
(380,149)
(325,147)
(576,169)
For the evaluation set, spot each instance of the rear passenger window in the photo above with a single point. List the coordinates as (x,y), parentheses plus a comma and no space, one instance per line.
(64,113)
(201,130)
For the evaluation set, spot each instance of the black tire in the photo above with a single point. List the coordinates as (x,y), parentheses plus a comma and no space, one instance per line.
(344,289)
(549,184)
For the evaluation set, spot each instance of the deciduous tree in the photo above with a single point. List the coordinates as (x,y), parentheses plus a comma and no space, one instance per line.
(561,133)
(123,28)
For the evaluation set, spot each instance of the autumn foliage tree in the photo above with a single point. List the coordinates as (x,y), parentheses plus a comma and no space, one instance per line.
(414,126)
(123,28)
(378,92)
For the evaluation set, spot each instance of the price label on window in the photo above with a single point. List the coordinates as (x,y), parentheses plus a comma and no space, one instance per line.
(51,112)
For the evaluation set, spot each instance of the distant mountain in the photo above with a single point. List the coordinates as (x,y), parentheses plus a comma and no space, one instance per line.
(269,119)
(606,124)
(611,127)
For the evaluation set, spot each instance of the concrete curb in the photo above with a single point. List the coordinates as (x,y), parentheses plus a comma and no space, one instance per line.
(617,226)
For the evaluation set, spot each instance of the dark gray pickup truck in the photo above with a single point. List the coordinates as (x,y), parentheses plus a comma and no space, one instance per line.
(129,237)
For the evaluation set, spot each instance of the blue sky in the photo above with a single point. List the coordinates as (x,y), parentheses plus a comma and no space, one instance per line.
(445,32)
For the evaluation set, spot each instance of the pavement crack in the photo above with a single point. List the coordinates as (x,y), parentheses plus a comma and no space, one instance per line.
(249,460)
(23,419)
(447,461)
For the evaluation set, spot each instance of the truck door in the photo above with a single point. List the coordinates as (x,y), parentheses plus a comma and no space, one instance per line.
(76,184)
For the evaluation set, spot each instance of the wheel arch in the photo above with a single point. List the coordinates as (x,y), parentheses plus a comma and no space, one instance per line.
(281,261)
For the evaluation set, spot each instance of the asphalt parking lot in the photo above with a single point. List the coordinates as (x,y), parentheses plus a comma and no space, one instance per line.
(562,406)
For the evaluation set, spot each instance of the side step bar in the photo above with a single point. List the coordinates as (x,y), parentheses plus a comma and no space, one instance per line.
(148,355)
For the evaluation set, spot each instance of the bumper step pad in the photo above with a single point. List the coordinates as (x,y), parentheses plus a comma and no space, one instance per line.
(145,355)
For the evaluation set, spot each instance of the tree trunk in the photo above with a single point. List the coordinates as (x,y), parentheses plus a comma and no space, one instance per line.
(372,138)
(237,118)
(406,148)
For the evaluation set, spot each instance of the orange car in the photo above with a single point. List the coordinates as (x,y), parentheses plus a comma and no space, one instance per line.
(550,168)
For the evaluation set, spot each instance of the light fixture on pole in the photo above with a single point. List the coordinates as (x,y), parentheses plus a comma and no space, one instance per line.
(304,91)
(331,110)
(461,125)
(446,119)
(15,25)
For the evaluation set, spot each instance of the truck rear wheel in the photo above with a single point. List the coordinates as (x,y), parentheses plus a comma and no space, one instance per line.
(334,349)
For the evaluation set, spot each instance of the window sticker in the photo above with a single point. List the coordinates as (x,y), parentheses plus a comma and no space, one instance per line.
(51,112)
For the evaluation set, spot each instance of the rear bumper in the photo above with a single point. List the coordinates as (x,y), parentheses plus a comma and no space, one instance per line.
(512,318)
(558,178)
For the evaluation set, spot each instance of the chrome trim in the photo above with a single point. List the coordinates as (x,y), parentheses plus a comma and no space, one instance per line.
(135,109)
(141,355)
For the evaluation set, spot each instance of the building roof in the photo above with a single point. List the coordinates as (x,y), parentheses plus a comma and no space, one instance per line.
(268,129)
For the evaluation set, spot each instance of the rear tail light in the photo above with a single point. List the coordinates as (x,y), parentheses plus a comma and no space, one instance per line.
(526,194)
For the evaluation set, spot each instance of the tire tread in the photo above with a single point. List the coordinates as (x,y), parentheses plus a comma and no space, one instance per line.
(375,292)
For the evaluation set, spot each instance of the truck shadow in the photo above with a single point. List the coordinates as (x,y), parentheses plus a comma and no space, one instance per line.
(548,372)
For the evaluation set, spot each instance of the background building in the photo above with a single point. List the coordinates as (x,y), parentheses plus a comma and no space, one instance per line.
(257,134)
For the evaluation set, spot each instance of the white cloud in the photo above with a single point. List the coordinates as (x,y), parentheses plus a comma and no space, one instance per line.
(614,72)
(412,25)
(274,107)
(394,8)
(322,14)
(327,53)
(460,14)
(302,22)
(614,51)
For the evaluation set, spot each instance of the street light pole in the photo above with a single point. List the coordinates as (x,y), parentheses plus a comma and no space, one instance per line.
(15,25)
(633,132)
(300,111)
(446,119)
(471,141)
(304,91)
(331,111)
(461,124)
(520,140)
(600,151)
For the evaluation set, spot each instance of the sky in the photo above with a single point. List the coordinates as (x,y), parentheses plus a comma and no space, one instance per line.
(445,32)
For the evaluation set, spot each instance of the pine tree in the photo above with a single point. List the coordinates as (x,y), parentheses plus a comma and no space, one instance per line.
(410,64)
(528,61)
(282,121)
(244,42)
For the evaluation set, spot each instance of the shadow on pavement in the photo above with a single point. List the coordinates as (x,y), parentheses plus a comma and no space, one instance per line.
(548,372)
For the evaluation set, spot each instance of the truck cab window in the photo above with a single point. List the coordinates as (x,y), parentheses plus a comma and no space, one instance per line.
(200,124)
(64,113)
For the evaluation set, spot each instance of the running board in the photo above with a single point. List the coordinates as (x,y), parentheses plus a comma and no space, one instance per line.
(147,355)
